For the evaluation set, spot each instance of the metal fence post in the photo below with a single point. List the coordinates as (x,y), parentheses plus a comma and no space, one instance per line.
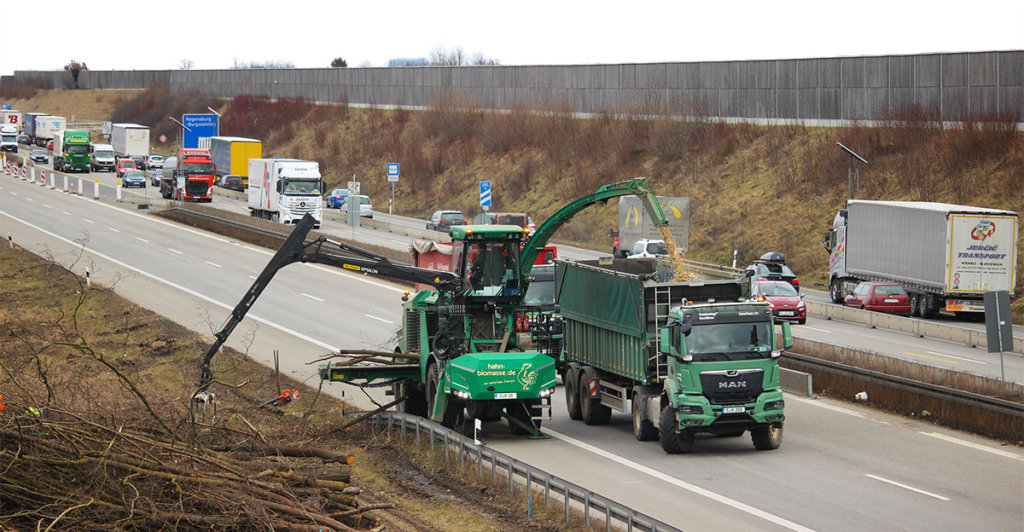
(566,493)
(547,490)
(586,508)
(511,476)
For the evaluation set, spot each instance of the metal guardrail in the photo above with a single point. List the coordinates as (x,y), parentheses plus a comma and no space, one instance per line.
(921,328)
(1001,406)
(534,479)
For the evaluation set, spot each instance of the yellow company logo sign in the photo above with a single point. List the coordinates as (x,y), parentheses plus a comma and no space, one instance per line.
(634,213)
(351,267)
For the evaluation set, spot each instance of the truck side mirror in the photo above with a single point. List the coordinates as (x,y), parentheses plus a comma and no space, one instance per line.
(280,186)
(787,336)
(828,241)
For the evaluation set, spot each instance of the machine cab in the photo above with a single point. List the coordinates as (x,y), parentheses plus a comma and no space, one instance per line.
(487,257)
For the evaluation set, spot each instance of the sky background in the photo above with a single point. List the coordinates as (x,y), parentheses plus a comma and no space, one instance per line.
(522,35)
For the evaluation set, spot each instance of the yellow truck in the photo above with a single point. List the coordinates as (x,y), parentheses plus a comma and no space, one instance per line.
(231,155)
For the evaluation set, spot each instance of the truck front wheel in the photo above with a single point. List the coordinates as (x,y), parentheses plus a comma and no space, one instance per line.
(671,441)
(415,403)
(767,438)
(835,289)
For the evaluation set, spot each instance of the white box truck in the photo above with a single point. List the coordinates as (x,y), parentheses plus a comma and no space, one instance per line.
(129,140)
(11,117)
(283,190)
(945,256)
(48,127)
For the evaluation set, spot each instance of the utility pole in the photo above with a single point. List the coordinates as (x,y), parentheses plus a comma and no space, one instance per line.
(854,191)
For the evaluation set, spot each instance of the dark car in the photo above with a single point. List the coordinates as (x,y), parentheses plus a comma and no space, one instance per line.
(24,139)
(156,177)
(233,182)
(140,162)
(39,156)
(879,297)
(133,178)
(786,303)
(772,267)
(444,220)
(336,198)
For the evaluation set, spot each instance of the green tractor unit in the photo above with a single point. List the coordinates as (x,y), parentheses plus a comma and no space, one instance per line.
(71,151)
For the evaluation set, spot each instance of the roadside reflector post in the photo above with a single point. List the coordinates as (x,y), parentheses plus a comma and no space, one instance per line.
(119,190)
(53,180)
(65,183)
(81,187)
(96,189)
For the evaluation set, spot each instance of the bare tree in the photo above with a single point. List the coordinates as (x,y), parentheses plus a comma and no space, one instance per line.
(447,57)
(185,64)
(479,59)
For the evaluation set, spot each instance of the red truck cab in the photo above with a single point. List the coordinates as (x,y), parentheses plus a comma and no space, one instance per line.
(196,166)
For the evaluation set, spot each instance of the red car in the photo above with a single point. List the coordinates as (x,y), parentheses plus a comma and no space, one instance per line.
(49,145)
(125,164)
(786,303)
(879,297)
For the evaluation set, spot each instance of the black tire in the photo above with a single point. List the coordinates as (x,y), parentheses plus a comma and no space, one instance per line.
(671,442)
(767,438)
(915,311)
(926,310)
(454,413)
(572,397)
(835,290)
(591,409)
(416,404)
(643,429)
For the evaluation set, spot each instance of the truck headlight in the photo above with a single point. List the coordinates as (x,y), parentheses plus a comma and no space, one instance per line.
(545,393)
(690,410)
(774,405)
(776,354)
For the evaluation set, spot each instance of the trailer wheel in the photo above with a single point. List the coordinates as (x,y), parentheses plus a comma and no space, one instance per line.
(915,310)
(767,438)
(672,442)
(572,396)
(643,429)
(591,409)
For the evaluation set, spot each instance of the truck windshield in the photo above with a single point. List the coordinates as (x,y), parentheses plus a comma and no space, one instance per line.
(309,186)
(10,138)
(105,154)
(198,168)
(78,150)
(541,291)
(730,341)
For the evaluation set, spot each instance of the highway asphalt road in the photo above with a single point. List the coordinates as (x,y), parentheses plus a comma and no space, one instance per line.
(841,467)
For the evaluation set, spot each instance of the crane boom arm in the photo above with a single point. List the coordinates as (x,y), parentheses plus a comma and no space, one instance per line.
(638,187)
(296,249)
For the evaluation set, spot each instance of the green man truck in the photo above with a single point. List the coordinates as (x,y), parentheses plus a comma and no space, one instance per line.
(683,357)
(71,151)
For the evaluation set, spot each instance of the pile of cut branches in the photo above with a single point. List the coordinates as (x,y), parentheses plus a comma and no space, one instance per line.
(63,471)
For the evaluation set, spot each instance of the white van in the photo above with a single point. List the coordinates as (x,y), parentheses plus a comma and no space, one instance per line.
(102,157)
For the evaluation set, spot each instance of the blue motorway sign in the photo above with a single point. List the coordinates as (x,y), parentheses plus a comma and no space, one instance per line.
(392,171)
(485,193)
(199,126)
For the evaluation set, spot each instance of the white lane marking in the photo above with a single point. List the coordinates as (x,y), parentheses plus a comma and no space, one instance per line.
(378,319)
(212,264)
(47,206)
(685,485)
(174,251)
(827,406)
(88,220)
(906,487)
(114,230)
(253,278)
(798,327)
(188,291)
(30,199)
(14,193)
(67,213)
(997,452)
(142,239)
(332,271)
(312,297)
(958,358)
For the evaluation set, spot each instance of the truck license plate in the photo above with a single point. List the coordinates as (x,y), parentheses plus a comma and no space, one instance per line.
(734,410)
(786,313)
(891,300)
(507,395)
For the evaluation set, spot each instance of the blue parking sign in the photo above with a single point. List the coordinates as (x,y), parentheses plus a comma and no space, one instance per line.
(485,193)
